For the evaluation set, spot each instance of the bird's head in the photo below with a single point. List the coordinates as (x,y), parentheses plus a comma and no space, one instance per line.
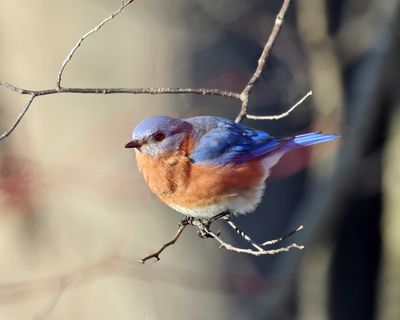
(159,134)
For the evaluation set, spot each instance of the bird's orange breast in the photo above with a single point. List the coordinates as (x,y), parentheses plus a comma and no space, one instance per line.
(177,181)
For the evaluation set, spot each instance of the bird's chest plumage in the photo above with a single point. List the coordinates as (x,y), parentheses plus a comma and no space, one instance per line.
(166,175)
(193,188)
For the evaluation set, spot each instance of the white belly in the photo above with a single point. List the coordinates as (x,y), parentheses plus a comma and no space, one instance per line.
(238,204)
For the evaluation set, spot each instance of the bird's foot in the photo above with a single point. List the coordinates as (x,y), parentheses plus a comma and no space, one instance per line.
(204,228)
(187,220)
(203,234)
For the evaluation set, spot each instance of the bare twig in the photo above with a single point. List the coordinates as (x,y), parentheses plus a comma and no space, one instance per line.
(156,255)
(86,35)
(255,244)
(38,93)
(19,118)
(243,234)
(269,242)
(45,92)
(244,96)
(282,115)
(257,252)
(14,88)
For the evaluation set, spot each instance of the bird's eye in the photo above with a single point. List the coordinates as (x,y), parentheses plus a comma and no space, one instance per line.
(159,136)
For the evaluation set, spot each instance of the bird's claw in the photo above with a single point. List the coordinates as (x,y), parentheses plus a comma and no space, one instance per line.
(186,221)
(203,234)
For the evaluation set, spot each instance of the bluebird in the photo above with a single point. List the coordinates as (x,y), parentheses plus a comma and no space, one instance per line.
(204,166)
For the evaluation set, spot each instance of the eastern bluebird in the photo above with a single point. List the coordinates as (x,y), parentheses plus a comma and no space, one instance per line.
(203,166)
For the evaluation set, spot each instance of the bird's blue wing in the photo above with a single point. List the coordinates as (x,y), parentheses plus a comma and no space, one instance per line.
(221,141)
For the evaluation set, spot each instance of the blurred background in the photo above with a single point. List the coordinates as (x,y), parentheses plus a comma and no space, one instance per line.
(75,214)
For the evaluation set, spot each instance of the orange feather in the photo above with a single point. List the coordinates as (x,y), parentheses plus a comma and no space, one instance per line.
(176,180)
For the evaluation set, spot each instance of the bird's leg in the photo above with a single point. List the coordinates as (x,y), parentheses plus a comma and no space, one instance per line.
(219,216)
(182,225)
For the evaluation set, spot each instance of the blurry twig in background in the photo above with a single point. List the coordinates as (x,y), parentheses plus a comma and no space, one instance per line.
(53,302)
(118,265)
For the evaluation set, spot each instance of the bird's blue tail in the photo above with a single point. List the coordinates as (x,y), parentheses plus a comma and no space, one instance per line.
(311,138)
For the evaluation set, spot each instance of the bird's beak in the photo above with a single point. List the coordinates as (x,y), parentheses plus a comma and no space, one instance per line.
(134,144)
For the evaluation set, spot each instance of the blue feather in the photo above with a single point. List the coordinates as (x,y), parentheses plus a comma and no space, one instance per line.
(311,138)
(222,141)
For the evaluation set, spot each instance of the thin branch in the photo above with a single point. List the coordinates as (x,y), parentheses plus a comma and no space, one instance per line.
(230,247)
(256,245)
(156,255)
(204,227)
(244,96)
(86,35)
(19,118)
(37,93)
(243,234)
(282,115)
(14,88)
(200,91)
(269,242)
